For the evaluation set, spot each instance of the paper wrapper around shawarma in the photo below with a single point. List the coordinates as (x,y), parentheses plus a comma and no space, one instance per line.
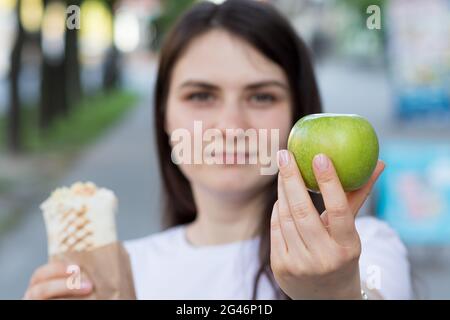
(80,223)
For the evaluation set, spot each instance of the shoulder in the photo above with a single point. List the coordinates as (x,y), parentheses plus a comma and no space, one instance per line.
(369,227)
(377,233)
(384,259)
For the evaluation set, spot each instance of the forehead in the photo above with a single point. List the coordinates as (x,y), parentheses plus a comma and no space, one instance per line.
(220,57)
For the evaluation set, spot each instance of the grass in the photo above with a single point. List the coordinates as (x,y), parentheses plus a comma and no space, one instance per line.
(5,185)
(10,220)
(86,122)
(2,132)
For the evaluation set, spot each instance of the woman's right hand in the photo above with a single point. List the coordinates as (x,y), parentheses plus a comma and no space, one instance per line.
(50,281)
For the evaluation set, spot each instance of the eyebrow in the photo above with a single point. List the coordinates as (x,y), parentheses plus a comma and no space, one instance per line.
(253,86)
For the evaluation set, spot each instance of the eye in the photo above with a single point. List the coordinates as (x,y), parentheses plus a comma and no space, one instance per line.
(201,97)
(263,98)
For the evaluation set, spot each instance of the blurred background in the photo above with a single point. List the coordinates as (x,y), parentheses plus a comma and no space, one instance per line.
(76,89)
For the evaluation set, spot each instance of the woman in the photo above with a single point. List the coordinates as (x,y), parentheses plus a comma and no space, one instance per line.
(235,233)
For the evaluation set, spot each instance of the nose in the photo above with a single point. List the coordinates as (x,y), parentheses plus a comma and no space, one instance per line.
(232,123)
(232,116)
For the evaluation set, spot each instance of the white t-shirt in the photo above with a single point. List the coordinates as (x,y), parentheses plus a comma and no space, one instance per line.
(166,266)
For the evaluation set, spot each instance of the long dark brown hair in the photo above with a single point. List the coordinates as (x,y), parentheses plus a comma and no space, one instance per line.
(260,25)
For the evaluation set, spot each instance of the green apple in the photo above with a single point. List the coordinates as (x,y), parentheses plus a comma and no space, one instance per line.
(349,140)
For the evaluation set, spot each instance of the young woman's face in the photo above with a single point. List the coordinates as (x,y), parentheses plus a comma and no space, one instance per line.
(225,83)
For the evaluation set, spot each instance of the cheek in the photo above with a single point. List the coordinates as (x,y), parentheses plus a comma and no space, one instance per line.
(174,116)
(182,115)
(279,119)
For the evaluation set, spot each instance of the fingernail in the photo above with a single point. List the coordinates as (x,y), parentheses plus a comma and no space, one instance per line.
(283,158)
(321,162)
(86,285)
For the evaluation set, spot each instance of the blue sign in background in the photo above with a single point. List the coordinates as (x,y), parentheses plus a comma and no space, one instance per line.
(413,193)
(423,102)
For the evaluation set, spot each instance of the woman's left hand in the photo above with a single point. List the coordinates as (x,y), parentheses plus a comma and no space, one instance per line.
(316,256)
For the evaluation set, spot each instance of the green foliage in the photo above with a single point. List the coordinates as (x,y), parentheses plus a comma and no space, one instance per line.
(171,11)
(361,5)
(87,120)
(5,184)
(8,221)
(2,133)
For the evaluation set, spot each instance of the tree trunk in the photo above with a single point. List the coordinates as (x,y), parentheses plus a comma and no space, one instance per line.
(72,63)
(111,73)
(14,141)
(53,88)
(111,69)
(53,92)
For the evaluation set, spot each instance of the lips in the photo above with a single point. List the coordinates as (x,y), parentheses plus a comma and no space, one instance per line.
(233,157)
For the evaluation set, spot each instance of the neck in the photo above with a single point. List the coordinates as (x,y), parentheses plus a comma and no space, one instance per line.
(224,218)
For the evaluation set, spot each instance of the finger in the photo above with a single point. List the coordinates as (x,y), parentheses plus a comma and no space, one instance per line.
(357,198)
(57,288)
(49,271)
(324,218)
(293,239)
(277,244)
(301,207)
(340,218)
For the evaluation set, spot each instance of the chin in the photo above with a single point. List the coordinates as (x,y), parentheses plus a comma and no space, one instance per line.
(230,179)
